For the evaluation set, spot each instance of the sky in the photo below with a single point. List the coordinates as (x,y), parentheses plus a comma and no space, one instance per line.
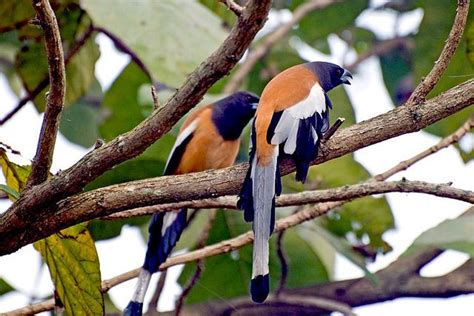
(413,213)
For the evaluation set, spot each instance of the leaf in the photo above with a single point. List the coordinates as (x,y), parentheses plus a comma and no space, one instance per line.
(15,175)
(397,74)
(332,19)
(70,255)
(171,37)
(5,287)
(456,234)
(12,193)
(305,267)
(73,263)
(15,12)
(433,31)
(343,247)
(31,61)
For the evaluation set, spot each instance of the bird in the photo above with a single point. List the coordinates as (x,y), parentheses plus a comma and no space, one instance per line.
(292,116)
(208,139)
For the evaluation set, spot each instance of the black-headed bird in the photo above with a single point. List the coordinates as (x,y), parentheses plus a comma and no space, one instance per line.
(292,115)
(208,139)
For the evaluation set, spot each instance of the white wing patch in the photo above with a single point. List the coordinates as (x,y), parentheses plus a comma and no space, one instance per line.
(168,220)
(287,127)
(181,138)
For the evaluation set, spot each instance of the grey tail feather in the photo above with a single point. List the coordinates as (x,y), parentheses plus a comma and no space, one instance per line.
(264,205)
(135,306)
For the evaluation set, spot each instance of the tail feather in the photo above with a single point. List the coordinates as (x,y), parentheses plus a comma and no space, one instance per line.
(164,231)
(306,147)
(264,178)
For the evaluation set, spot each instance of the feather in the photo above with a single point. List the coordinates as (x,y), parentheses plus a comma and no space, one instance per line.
(179,146)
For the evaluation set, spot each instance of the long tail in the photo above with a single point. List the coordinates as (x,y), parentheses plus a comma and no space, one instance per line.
(257,199)
(164,231)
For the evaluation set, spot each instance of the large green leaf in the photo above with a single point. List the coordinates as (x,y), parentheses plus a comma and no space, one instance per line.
(71,255)
(31,61)
(73,263)
(305,266)
(456,234)
(170,36)
(15,12)
(332,19)
(434,29)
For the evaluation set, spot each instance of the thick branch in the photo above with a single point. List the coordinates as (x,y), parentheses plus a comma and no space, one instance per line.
(261,50)
(133,143)
(17,231)
(427,84)
(55,99)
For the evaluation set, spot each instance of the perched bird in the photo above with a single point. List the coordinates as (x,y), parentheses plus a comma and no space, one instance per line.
(291,117)
(208,139)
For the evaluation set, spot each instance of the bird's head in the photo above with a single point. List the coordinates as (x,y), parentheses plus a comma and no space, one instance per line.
(330,75)
(232,113)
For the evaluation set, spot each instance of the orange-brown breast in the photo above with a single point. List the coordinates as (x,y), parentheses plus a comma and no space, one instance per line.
(207,149)
(285,90)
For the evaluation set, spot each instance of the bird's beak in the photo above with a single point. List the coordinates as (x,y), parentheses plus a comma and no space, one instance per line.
(345,77)
(254,105)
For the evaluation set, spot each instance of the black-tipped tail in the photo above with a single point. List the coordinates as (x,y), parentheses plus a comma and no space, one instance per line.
(259,288)
(133,309)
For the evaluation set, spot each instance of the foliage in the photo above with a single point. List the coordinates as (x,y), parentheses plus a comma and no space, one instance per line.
(171,38)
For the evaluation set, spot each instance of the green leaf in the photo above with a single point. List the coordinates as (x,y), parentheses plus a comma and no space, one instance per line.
(343,247)
(73,263)
(171,37)
(397,74)
(430,40)
(456,234)
(332,19)
(15,175)
(12,193)
(13,13)
(5,287)
(31,61)
(79,123)
(305,266)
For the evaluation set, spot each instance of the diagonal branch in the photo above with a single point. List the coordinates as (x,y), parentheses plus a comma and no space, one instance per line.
(261,50)
(55,99)
(427,84)
(133,143)
(16,230)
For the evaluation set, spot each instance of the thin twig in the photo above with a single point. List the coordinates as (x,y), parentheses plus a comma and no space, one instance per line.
(367,188)
(445,142)
(427,84)
(55,99)
(127,50)
(316,302)
(283,264)
(262,49)
(153,305)
(232,6)
(199,263)
(333,128)
(44,83)
(156,102)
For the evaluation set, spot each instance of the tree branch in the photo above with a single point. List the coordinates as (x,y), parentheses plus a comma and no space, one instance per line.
(232,6)
(261,50)
(133,143)
(17,231)
(55,99)
(427,84)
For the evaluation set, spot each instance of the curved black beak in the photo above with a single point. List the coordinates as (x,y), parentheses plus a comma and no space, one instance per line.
(345,77)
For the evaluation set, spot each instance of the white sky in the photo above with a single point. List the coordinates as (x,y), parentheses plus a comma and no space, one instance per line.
(413,213)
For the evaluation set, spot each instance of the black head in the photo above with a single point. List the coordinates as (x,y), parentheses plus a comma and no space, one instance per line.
(232,113)
(330,75)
